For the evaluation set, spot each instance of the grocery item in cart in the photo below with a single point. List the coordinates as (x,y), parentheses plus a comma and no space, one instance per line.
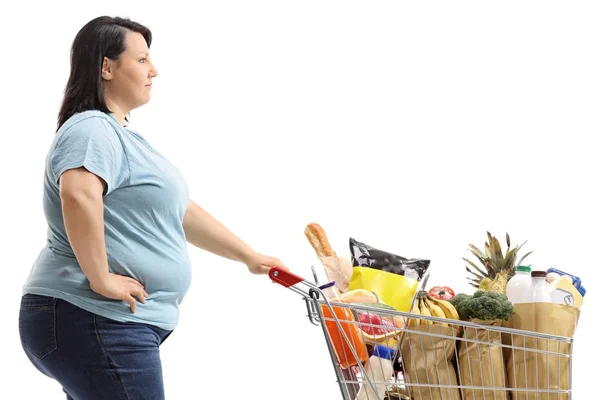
(393,278)
(432,307)
(428,348)
(359,296)
(480,353)
(379,370)
(495,268)
(427,353)
(338,269)
(483,305)
(343,350)
(539,292)
(575,280)
(545,363)
(518,287)
(318,240)
(441,292)
(481,362)
(562,291)
(538,364)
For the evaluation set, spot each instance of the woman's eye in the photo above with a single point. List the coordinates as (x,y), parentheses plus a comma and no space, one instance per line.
(143,60)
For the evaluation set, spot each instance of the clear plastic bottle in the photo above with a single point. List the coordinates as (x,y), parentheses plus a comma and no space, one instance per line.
(519,286)
(379,369)
(539,292)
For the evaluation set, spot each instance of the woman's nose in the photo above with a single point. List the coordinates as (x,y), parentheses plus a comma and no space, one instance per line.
(153,71)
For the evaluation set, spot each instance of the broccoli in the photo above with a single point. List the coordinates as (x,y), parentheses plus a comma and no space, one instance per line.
(458,302)
(459,298)
(483,305)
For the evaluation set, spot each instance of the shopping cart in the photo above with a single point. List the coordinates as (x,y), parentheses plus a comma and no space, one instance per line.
(432,358)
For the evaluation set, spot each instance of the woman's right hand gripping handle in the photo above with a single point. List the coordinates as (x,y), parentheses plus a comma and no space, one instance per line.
(81,194)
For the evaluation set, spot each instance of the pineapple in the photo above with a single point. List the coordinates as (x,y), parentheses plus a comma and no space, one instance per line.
(497,268)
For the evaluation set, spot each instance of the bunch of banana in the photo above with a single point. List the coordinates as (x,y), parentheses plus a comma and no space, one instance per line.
(429,306)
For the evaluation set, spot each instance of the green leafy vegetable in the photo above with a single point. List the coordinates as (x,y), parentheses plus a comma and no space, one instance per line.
(483,305)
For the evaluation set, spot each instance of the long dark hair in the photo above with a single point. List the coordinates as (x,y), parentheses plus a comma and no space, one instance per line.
(99,38)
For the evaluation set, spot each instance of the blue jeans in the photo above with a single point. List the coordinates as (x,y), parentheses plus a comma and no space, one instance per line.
(92,357)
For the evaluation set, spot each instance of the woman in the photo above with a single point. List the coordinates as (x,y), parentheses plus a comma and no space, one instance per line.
(105,291)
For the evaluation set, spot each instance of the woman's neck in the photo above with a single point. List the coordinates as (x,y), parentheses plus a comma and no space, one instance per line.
(117,112)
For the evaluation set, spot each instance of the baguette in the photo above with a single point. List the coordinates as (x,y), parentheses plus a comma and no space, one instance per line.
(318,240)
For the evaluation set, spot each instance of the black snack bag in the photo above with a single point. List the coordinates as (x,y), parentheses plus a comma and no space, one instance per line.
(364,255)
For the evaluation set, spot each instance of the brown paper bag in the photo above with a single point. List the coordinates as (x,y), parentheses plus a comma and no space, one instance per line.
(535,370)
(427,360)
(507,339)
(482,364)
(338,269)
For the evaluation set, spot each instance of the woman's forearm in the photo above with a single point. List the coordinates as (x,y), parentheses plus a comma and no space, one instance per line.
(204,231)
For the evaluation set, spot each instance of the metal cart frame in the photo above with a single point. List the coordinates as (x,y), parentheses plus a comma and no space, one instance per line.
(440,358)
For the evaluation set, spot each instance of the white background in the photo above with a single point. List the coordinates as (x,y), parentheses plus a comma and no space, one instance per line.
(414,128)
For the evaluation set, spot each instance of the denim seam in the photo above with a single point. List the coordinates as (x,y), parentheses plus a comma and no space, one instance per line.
(36,308)
(109,360)
(54,304)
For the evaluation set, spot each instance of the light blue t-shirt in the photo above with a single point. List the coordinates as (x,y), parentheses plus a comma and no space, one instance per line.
(144,205)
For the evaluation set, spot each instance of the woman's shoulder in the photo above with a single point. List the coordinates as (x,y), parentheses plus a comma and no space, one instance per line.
(87,120)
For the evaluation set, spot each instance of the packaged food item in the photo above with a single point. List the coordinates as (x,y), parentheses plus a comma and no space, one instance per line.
(379,369)
(575,279)
(364,255)
(562,291)
(338,269)
(553,276)
(393,278)
(350,328)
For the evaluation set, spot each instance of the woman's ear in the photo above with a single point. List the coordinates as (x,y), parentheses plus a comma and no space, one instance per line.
(107,69)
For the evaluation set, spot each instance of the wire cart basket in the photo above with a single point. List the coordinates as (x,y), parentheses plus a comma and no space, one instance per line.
(432,358)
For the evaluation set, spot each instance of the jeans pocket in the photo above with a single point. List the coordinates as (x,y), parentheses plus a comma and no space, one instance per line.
(37,325)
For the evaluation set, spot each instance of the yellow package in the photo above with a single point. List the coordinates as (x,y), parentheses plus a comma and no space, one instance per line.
(394,279)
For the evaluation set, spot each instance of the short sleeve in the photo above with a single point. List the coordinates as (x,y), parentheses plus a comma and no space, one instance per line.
(95,145)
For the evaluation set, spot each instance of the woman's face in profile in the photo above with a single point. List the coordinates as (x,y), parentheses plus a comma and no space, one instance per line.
(128,80)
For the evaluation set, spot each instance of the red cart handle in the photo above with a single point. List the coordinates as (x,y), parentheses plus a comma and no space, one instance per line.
(283,277)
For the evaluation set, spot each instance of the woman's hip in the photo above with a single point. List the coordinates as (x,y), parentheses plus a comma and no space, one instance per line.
(91,356)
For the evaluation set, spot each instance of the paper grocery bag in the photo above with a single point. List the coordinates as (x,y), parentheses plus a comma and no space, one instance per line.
(481,363)
(528,369)
(507,339)
(427,360)
(338,269)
